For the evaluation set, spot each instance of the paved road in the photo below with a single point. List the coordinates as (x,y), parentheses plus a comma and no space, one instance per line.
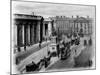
(69,63)
(83,59)
(63,64)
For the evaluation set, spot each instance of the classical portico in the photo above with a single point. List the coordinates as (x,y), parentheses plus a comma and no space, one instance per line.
(29,30)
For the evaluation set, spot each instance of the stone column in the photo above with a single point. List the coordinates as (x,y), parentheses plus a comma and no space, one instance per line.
(14,36)
(44,30)
(19,36)
(74,27)
(38,24)
(84,28)
(81,29)
(88,27)
(35,33)
(91,28)
(28,33)
(41,31)
(25,36)
(49,28)
(77,27)
(31,34)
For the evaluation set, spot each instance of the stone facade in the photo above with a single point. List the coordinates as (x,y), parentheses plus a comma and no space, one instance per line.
(73,25)
(27,30)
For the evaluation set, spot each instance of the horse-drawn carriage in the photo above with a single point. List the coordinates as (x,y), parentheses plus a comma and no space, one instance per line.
(53,46)
(44,62)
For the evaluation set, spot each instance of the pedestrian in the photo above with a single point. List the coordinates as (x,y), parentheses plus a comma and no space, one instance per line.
(39,44)
(46,39)
(58,50)
(90,41)
(75,51)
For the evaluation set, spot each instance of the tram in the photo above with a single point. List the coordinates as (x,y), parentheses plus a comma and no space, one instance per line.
(67,45)
(65,51)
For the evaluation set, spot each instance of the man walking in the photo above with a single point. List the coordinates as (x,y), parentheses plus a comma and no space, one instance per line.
(39,44)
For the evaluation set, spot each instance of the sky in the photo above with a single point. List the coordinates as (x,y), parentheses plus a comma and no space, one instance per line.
(51,10)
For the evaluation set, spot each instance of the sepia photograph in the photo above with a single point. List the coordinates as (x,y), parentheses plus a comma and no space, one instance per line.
(52,37)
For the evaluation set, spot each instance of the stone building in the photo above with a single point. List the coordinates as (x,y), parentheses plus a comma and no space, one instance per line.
(28,30)
(47,27)
(81,24)
(77,24)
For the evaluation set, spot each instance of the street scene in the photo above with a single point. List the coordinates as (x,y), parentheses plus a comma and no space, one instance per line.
(47,38)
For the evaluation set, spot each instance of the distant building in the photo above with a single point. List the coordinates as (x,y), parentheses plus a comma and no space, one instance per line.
(81,24)
(72,25)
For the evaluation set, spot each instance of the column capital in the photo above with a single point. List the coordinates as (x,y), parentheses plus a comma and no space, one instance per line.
(17,23)
(24,23)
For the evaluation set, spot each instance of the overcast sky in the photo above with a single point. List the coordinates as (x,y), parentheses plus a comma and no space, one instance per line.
(48,10)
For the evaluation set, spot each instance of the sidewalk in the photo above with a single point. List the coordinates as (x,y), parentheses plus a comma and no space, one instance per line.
(35,57)
(29,50)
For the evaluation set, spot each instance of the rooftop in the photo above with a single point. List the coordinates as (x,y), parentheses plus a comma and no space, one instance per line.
(26,16)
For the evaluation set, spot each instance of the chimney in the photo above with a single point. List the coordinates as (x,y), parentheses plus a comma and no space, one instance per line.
(77,16)
(87,16)
(72,16)
(61,16)
(32,13)
(64,17)
(57,17)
